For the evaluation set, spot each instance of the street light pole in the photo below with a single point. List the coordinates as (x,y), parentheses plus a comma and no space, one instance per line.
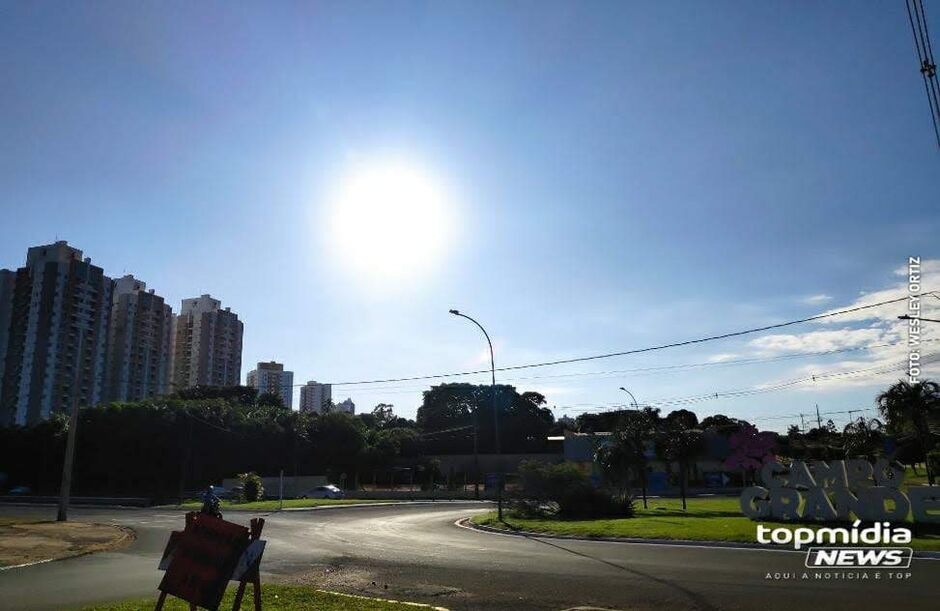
(499,484)
(66,486)
(635,406)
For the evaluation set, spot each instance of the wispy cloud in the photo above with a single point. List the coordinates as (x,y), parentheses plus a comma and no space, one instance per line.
(878,328)
(722,357)
(816,299)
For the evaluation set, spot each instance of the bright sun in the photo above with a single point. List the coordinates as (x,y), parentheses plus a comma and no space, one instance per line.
(390,221)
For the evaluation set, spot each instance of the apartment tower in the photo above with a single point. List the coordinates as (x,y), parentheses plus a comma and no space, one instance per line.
(57,308)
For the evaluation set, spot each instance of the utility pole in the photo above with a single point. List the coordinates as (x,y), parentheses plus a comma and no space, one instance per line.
(65,488)
(818,418)
(802,422)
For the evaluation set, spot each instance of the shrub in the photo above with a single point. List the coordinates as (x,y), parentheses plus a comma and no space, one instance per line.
(934,459)
(252,489)
(565,491)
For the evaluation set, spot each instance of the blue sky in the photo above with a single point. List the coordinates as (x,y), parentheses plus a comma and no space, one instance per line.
(616,175)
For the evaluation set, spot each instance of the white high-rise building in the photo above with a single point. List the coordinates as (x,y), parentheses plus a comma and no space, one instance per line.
(207,344)
(139,342)
(346,406)
(271,378)
(314,397)
(56,312)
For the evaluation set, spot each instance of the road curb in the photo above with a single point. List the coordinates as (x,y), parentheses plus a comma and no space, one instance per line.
(325,507)
(384,600)
(739,545)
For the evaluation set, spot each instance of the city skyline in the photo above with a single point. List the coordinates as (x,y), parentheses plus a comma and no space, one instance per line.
(579,197)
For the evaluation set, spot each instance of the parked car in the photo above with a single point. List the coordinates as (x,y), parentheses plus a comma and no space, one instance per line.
(323,492)
(17,490)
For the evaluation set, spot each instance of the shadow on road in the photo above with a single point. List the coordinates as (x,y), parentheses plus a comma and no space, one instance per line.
(695,598)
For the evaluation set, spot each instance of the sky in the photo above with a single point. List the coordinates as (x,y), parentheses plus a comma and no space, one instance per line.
(582,178)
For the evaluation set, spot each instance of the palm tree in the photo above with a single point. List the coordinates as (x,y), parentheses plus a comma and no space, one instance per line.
(680,443)
(635,430)
(909,406)
(863,437)
(614,461)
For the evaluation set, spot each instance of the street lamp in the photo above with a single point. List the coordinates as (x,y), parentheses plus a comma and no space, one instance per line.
(499,487)
(906,317)
(635,406)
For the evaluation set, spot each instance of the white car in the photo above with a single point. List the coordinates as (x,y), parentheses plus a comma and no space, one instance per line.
(323,492)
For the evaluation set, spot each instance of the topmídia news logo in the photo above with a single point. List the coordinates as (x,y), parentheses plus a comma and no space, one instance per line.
(845,553)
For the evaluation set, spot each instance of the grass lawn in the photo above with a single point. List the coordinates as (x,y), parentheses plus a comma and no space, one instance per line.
(9,521)
(707,519)
(273,505)
(273,598)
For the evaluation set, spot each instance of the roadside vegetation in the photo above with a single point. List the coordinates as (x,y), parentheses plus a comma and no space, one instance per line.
(563,500)
(275,598)
(705,519)
(273,505)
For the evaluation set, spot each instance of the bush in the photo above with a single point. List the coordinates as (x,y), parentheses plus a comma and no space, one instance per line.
(252,489)
(565,491)
(934,459)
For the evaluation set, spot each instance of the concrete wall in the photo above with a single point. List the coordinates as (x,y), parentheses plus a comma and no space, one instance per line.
(489,463)
(293,486)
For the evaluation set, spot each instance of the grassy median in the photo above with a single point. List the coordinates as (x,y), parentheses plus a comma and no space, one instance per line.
(276,598)
(706,519)
(273,505)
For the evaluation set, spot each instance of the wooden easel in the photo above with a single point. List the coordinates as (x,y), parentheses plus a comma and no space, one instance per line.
(253,575)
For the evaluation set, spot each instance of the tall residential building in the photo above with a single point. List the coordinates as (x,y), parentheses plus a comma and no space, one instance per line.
(7,284)
(208,345)
(139,342)
(346,406)
(314,397)
(271,378)
(57,337)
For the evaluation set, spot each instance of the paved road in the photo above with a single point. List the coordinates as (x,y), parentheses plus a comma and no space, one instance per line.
(415,552)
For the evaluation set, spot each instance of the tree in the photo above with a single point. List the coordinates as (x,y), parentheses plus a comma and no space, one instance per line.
(270,399)
(383,414)
(635,430)
(913,407)
(451,412)
(615,462)
(863,437)
(683,418)
(750,448)
(680,442)
(252,490)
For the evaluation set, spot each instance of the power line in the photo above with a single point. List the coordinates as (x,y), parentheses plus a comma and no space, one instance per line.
(582,359)
(917,17)
(678,367)
(762,389)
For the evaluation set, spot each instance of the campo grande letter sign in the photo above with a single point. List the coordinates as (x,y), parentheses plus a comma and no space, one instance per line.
(834,489)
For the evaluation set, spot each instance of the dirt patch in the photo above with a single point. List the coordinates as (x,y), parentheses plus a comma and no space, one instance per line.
(37,541)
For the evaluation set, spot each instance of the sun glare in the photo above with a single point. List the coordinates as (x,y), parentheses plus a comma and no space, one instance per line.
(390,221)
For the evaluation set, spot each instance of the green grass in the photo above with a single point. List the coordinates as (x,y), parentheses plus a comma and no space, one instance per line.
(707,519)
(273,598)
(274,505)
(10,521)
(915,480)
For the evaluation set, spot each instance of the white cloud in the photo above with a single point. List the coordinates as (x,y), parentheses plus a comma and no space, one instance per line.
(821,341)
(816,299)
(878,326)
(722,357)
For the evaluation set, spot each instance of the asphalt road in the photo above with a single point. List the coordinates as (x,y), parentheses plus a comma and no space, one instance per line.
(415,552)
